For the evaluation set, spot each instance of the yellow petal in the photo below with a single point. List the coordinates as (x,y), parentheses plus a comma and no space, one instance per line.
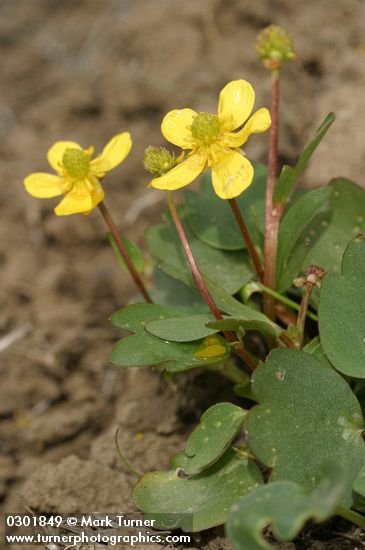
(259,122)
(82,198)
(183,174)
(236,102)
(231,174)
(176,127)
(113,154)
(97,195)
(45,186)
(56,152)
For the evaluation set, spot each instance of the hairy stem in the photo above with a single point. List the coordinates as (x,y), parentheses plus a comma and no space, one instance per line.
(200,283)
(272,212)
(247,238)
(132,270)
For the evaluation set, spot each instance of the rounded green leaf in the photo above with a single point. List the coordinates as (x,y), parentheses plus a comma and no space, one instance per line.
(359,483)
(285,506)
(173,293)
(231,270)
(337,222)
(307,415)
(212,220)
(182,329)
(144,349)
(342,312)
(216,430)
(228,304)
(198,502)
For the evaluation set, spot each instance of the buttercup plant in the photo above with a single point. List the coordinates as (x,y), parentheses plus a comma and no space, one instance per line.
(245,253)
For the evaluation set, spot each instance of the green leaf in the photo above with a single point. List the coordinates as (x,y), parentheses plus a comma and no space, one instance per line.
(307,415)
(335,225)
(211,218)
(242,325)
(291,228)
(244,390)
(342,312)
(226,302)
(294,264)
(182,329)
(359,483)
(173,293)
(285,506)
(229,269)
(133,251)
(289,176)
(198,502)
(143,349)
(314,348)
(218,427)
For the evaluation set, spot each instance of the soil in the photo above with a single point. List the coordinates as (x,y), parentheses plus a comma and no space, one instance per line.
(86,70)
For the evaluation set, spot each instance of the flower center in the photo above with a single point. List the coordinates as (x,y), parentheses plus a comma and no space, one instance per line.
(76,163)
(159,160)
(206,127)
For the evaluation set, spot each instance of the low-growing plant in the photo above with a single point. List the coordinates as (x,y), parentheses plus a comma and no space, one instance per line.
(246,253)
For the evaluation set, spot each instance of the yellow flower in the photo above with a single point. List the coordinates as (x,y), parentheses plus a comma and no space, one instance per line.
(213,142)
(78,177)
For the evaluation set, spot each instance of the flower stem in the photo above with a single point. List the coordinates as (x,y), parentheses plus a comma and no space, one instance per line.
(198,278)
(202,287)
(272,212)
(247,238)
(303,312)
(231,371)
(123,458)
(285,300)
(132,270)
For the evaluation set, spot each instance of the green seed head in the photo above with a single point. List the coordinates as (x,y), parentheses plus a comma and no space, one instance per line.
(76,163)
(274,46)
(159,160)
(206,127)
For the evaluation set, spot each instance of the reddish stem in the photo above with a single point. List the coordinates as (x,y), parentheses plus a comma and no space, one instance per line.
(202,287)
(247,238)
(112,227)
(272,212)
(189,255)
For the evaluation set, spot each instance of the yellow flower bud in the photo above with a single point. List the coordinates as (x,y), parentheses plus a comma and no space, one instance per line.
(159,160)
(274,46)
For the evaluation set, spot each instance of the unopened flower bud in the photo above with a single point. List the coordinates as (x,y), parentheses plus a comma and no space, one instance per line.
(159,160)
(315,274)
(299,282)
(274,46)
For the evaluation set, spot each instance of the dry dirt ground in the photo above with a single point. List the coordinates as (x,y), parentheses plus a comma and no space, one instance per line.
(86,70)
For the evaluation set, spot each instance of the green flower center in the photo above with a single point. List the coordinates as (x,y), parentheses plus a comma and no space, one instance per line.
(206,127)
(159,160)
(76,163)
